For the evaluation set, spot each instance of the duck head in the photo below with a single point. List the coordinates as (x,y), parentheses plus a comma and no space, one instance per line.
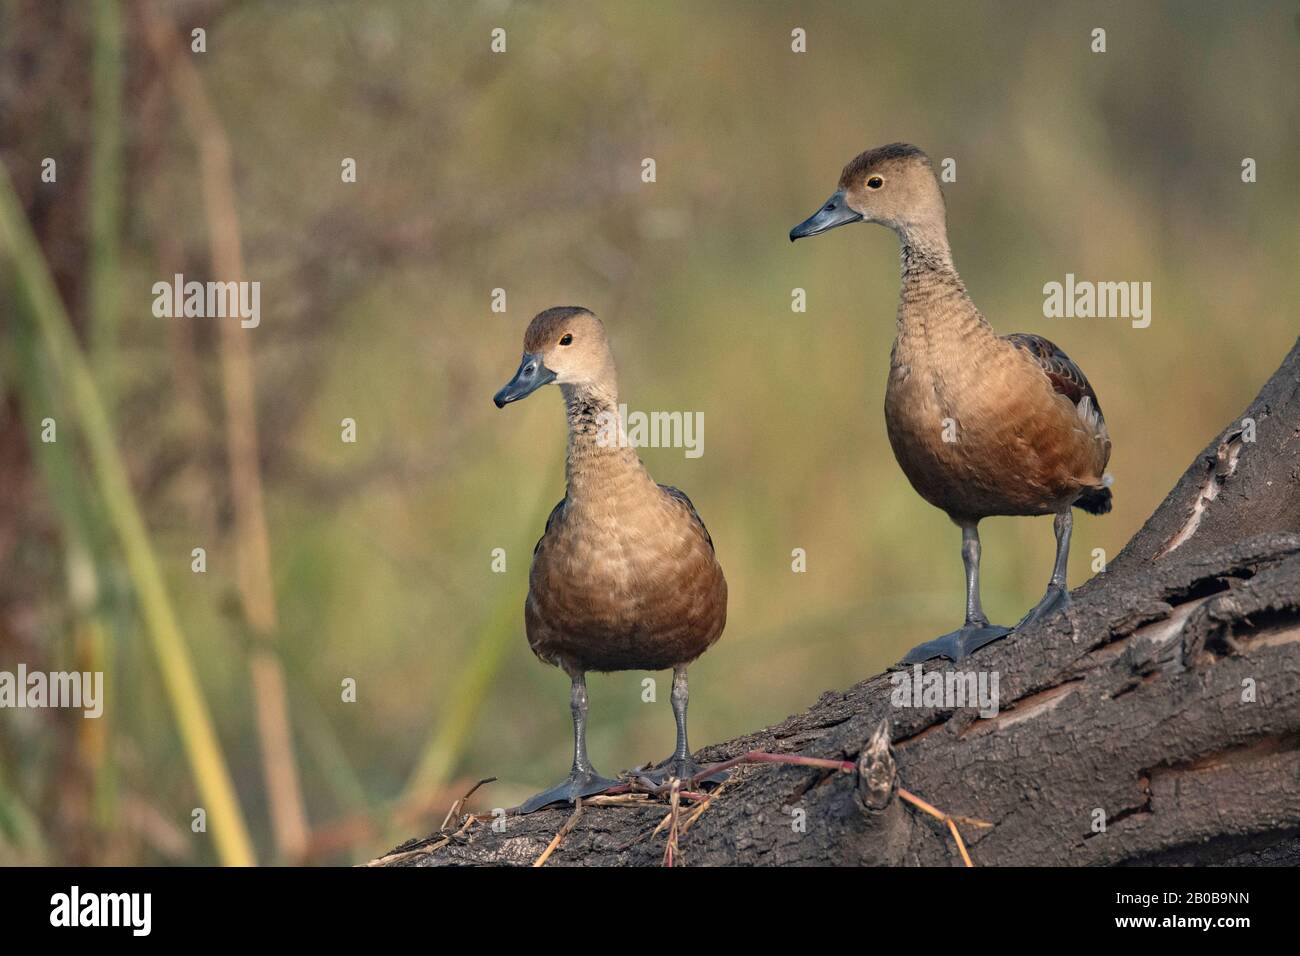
(893,185)
(566,345)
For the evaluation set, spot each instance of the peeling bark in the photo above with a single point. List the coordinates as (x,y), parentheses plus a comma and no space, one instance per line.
(1165,702)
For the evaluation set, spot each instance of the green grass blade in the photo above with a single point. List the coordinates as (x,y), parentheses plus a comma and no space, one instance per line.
(194,723)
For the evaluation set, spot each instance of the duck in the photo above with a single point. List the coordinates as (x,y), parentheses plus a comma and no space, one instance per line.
(625,576)
(981,424)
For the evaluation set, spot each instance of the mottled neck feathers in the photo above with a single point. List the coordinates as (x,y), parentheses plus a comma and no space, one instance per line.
(600,461)
(933,302)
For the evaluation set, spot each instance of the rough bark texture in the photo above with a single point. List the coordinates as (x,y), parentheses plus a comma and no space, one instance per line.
(1167,699)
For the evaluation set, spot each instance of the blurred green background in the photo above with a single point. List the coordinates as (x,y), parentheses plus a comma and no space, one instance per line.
(522,171)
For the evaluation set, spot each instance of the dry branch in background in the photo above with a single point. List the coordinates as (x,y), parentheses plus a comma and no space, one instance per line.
(279,763)
(1165,703)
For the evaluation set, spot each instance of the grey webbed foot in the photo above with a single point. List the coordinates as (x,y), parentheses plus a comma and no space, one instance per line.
(684,770)
(977,631)
(958,644)
(579,784)
(680,765)
(1056,599)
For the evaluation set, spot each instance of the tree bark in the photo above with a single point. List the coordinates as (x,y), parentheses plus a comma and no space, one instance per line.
(1165,704)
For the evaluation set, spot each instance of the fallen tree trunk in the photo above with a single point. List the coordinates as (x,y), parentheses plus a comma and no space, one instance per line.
(1158,721)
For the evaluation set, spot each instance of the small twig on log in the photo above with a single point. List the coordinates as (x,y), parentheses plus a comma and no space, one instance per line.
(423,850)
(442,830)
(619,800)
(455,807)
(956,835)
(944,818)
(564,831)
(698,811)
(674,803)
(762,756)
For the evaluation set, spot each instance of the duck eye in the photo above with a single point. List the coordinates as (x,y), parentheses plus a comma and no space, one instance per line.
(875,182)
(567,339)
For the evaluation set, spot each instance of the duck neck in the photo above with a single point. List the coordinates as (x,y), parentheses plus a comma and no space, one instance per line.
(934,307)
(600,461)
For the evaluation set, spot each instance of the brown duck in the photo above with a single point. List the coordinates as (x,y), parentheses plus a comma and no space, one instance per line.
(981,424)
(624,577)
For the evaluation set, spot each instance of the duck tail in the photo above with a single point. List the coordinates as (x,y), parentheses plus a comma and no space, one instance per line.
(1095,501)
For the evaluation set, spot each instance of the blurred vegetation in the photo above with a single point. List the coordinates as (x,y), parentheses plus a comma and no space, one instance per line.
(522,171)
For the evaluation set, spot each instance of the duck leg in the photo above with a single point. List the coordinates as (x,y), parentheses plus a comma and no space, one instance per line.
(583,779)
(977,631)
(681,764)
(1057,597)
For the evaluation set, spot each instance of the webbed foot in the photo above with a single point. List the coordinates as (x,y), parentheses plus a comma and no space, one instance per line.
(686,770)
(1056,599)
(579,784)
(958,644)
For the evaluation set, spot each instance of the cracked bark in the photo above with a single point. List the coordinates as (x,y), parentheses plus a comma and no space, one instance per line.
(1135,708)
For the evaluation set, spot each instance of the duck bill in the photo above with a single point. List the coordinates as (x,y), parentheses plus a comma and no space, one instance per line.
(531,376)
(834,212)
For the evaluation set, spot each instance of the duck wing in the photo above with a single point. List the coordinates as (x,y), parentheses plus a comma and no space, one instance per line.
(550,521)
(690,507)
(1066,377)
(1068,380)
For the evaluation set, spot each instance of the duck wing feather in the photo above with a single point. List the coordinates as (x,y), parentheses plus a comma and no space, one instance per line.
(550,521)
(1066,377)
(690,507)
